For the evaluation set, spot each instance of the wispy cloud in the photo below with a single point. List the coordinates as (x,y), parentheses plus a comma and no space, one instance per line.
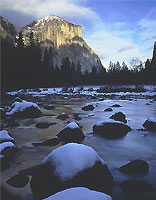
(126,48)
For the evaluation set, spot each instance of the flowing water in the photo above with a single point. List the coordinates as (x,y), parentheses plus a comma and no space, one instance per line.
(137,144)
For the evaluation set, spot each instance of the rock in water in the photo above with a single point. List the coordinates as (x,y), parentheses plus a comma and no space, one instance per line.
(119,116)
(24,109)
(71,133)
(71,165)
(116,105)
(18,181)
(49,107)
(63,116)
(42,125)
(108,110)
(81,193)
(150,124)
(136,186)
(88,107)
(135,167)
(111,129)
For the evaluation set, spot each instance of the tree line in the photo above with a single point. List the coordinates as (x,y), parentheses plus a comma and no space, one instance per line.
(27,67)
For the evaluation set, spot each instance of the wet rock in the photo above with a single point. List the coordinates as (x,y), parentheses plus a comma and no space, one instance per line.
(136,186)
(135,167)
(71,133)
(66,167)
(111,129)
(119,116)
(88,107)
(42,125)
(116,105)
(150,124)
(49,107)
(148,104)
(108,110)
(24,109)
(77,117)
(50,142)
(63,116)
(18,181)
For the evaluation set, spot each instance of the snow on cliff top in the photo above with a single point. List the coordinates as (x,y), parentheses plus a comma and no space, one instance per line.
(21,106)
(72,158)
(79,193)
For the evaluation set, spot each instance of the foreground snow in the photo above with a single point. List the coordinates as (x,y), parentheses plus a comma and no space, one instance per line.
(79,193)
(4,136)
(72,158)
(21,106)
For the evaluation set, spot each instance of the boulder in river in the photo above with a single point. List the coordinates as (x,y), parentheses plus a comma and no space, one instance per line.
(150,124)
(5,137)
(119,116)
(71,133)
(111,129)
(88,106)
(18,181)
(63,116)
(24,109)
(116,106)
(42,125)
(108,109)
(49,107)
(135,167)
(71,165)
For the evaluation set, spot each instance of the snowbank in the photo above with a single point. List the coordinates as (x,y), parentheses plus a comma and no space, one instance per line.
(79,193)
(72,158)
(4,136)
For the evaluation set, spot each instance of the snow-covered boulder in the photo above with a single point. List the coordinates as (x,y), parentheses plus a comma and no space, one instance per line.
(24,109)
(68,166)
(88,106)
(71,133)
(135,167)
(119,116)
(5,137)
(63,116)
(49,107)
(79,193)
(5,147)
(150,124)
(111,129)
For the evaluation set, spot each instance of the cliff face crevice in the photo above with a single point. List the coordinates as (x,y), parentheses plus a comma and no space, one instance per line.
(65,38)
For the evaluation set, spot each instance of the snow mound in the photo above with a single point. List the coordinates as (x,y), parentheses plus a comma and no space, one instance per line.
(5,145)
(79,193)
(100,123)
(72,158)
(72,125)
(4,136)
(21,106)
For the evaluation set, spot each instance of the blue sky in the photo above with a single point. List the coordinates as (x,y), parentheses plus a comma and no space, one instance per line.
(116,30)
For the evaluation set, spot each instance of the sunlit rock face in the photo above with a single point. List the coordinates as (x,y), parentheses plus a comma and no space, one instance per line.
(7,30)
(65,38)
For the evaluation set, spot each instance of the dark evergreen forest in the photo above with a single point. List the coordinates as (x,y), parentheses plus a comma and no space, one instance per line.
(26,67)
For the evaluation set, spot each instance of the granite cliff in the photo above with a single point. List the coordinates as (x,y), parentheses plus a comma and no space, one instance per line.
(65,38)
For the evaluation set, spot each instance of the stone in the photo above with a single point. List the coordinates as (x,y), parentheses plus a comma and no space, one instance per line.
(136,186)
(42,125)
(116,106)
(108,110)
(49,107)
(71,133)
(88,107)
(46,181)
(119,116)
(18,181)
(77,117)
(111,129)
(135,167)
(63,116)
(150,124)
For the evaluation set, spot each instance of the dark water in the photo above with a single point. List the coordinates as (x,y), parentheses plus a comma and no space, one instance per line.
(136,144)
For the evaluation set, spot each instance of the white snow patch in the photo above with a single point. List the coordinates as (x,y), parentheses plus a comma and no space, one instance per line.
(21,106)
(5,145)
(72,158)
(101,123)
(4,136)
(72,125)
(79,193)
